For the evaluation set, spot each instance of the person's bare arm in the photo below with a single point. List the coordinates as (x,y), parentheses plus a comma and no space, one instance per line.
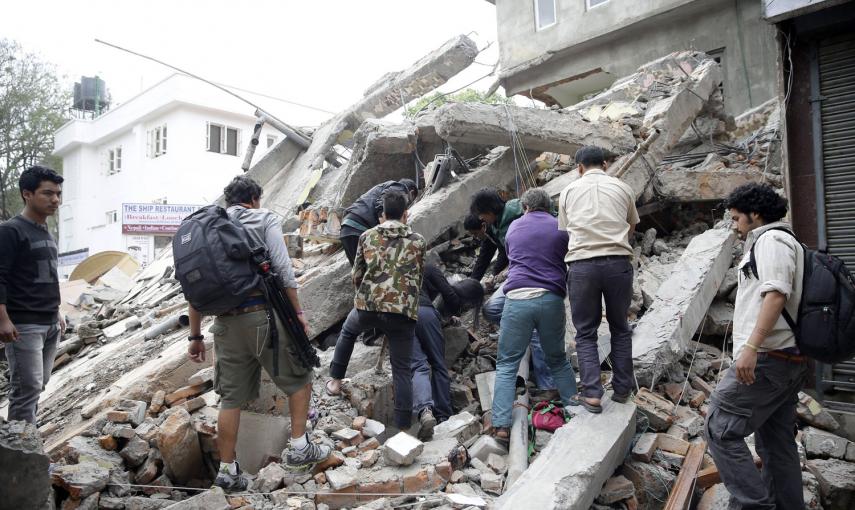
(295,302)
(196,350)
(770,311)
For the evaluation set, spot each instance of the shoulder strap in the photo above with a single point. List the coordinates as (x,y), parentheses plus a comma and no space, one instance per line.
(751,268)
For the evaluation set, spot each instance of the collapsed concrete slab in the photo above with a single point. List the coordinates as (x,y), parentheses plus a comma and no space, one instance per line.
(583,454)
(381,152)
(539,130)
(712,182)
(327,293)
(662,335)
(298,177)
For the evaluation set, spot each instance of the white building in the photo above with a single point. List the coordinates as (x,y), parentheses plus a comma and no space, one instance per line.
(177,143)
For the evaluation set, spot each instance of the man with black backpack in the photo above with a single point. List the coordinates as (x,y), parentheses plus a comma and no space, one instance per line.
(758,394)
(242,339)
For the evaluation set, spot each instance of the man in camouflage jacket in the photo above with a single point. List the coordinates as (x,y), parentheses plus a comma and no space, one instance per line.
(387,273)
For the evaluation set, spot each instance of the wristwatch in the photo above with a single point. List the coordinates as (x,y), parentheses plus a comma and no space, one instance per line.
(195,337)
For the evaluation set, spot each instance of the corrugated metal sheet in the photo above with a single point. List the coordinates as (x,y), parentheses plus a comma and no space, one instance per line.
(837,94)
(837,90)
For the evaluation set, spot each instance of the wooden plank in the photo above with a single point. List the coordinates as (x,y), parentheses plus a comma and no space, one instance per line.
(681,496)
(708,477)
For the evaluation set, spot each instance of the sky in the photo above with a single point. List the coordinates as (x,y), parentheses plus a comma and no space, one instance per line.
(322,53)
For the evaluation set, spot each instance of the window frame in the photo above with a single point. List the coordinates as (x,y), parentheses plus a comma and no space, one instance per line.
(537,25)
(114,160)
(588,5)
(223,138)
(112,216)
(156,141)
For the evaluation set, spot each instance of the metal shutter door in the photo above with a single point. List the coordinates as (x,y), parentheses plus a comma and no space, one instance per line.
(837,90)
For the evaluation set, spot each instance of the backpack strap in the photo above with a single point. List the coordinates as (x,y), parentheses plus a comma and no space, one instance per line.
(751,268)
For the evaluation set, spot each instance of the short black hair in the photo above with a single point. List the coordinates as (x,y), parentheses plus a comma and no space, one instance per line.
(590,155)
(470,294)
(410,185)
(757,198)
(609,156)
(242,190)
(394,205)
(33,177)
(487,200)
(472,222)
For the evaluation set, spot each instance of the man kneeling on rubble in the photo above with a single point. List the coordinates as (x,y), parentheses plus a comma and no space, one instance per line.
(534,299)
(387,274)
(241,339)
(759,393)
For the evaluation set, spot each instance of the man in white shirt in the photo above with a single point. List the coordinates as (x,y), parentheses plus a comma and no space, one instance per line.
(758,394)
(598,211)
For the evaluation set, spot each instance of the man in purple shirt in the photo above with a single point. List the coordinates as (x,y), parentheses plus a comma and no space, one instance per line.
(534,294)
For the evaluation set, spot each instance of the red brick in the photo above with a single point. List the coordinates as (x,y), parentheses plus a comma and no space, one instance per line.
(187,392)
(358,423)
(108,442)
(369,491)
(419,482)
(118,416)
(320,478)
(370,444)
(346,497)
(334,460)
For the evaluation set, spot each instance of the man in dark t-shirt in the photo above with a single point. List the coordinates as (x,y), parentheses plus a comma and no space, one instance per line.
(29,291)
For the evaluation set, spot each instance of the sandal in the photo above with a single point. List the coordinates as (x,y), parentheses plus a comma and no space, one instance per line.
(579,400)
(502,435)
(329,391)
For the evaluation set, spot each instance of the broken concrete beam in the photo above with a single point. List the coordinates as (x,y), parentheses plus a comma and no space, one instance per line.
(24,478)
(381,152)
(712,182)
(570,472)
(538,130)
(178,443)
(485,382)
(486,445)
(327,292)
(297,178)
(428,73)
(663,334)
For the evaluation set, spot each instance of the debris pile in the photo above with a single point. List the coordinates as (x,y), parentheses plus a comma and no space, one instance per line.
(131,423)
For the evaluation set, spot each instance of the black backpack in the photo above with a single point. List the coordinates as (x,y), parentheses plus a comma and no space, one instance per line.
(213,261)
(825,329)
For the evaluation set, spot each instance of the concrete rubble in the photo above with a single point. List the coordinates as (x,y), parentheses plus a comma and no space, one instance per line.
(131,423)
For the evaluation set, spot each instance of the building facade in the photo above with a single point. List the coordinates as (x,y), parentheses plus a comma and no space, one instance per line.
(132,173)
(560,51)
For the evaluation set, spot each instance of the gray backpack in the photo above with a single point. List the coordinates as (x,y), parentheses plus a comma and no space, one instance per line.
(213,261)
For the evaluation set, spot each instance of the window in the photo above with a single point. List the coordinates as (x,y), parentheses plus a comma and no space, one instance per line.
(271,141)
(544,13)
(156,142)
(114,160)
(223,139)
(596,3)
(112,217)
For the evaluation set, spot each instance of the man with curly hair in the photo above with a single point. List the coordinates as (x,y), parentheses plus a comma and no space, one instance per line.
(759,393)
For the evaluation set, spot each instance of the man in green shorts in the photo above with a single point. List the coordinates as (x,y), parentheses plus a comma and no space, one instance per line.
(241,340)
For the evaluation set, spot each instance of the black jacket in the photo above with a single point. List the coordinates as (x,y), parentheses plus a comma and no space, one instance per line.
(434,284)
(368,208)
(29,286)
(485,256)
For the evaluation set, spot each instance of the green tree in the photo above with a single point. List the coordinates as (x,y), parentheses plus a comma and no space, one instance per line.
(33,105)
(464,96)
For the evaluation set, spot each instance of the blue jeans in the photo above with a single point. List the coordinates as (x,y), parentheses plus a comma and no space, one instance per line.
(519,318)
(493,312)
(431,382)
(30,364)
